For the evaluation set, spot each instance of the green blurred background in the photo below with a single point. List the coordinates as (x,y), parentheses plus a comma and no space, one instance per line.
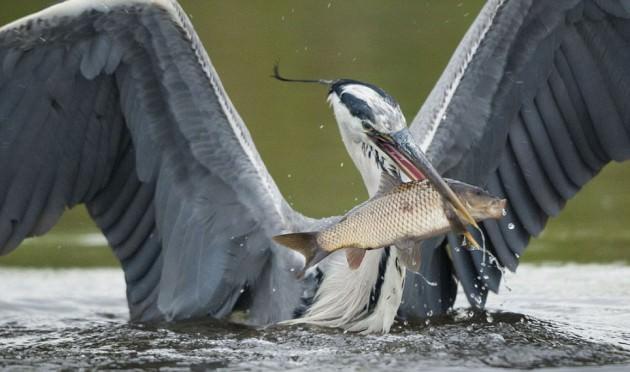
(402,46)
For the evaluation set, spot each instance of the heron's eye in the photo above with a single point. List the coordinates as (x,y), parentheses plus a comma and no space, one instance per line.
(366,125)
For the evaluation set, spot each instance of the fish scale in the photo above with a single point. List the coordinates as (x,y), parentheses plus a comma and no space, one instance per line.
(402,216)
(409,210)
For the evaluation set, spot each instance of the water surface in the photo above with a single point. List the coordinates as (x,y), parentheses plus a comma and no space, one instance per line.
(553,316)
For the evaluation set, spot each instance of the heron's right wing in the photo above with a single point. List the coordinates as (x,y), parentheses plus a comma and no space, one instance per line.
(115,104)
(531,106)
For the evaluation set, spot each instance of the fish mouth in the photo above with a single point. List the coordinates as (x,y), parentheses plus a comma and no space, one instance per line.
(402,149)
(493,209)
(497,208)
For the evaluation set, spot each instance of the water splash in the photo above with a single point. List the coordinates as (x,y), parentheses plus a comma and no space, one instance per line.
(488,258)
(88,329)
(424,279)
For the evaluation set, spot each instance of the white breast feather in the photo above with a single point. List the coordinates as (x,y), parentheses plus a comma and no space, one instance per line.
(344,295)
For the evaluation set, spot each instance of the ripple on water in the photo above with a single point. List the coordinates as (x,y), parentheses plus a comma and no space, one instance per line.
(97,334)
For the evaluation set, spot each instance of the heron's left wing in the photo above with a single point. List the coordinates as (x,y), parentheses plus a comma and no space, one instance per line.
(532,105)
(115,104)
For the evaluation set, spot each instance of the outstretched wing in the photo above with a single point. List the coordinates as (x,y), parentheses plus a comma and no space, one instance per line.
(115,104)
(531,106)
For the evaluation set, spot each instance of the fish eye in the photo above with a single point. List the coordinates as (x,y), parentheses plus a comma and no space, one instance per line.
(366,125)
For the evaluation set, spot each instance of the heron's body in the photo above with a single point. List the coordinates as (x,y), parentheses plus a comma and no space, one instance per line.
(128,116)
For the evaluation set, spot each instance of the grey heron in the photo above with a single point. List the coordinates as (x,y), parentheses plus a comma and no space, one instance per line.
(130,118)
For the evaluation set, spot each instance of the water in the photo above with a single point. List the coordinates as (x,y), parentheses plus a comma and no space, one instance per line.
(554,316)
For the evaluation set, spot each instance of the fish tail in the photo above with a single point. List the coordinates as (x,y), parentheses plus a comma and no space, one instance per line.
(306,244)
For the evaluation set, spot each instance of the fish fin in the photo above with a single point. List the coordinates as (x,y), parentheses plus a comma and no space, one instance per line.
(306,244)
(387,183)
(409,253)
(354,256)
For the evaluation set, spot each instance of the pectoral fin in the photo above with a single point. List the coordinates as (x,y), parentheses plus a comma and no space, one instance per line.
(354,256)
(409,254)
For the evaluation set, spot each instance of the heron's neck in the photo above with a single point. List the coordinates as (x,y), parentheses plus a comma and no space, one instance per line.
(370,162)
(365,299)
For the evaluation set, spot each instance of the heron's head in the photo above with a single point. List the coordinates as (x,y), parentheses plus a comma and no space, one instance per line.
(372,119)
(372,125)
(363,110)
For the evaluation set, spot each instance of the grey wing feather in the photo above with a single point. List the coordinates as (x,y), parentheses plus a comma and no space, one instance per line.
(116,105)
(531,106)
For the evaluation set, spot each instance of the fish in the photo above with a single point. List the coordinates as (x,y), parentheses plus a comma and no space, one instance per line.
(404,215)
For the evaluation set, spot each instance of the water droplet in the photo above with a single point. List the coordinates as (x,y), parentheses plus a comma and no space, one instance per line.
(282,18)
(242,290)
(292,270)
(489,318)
(329,5)
(504,212)
(289,175)
(273,289)
(321,126)
(341,165)
(511,226)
